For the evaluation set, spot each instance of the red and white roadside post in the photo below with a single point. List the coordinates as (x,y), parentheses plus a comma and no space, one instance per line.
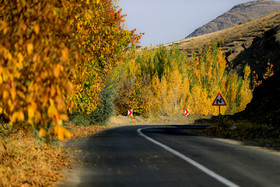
(186,112)
(130,112)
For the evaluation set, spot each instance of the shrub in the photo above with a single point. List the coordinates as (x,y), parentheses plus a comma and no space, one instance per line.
(106,107)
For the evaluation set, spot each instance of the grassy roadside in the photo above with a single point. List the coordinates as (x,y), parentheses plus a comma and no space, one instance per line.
(27,161)
(261,135)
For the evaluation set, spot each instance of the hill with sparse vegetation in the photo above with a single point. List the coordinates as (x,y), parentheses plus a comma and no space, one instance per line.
(233,41)
(239,14)
(257,44)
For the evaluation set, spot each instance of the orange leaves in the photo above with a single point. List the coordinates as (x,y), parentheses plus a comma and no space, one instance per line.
(247,72)
(42,132)
(61,132)
(5,94)
(17,116)
(269,71)
(36,29)
(24,158)
(30,48)
(4,27)
(31,109)
(100,41)
(20,59)
(65,54)
(52,111)
(34,64)
(135,37)
(57,69)
(57,56)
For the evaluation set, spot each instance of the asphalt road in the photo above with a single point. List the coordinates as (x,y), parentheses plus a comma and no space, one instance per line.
(169,156)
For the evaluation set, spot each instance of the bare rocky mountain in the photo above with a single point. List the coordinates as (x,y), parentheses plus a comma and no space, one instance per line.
(237,15)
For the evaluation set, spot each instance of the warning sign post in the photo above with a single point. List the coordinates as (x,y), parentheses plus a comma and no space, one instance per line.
(187,112)
(219,101)
(130,112)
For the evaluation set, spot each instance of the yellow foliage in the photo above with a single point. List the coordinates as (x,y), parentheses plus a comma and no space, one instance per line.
(62,133)
(170,93)
(31,109)
(177,83)
(30,48)
(55,57)
(52,109)
(37,29)
(42,132)
(33,82)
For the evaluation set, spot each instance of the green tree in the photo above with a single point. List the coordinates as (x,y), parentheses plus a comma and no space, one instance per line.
(106,107)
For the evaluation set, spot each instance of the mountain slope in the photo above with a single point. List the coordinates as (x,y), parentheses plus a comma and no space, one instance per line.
(238,14)
(265,106)
(231,40)
(256,43)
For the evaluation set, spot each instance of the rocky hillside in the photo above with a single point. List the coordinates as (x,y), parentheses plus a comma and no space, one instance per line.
(237,15)
(265,106)
(264,50)
(232,40)
(256,43)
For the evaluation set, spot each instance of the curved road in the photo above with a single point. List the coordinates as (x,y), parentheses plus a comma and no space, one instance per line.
(169,156)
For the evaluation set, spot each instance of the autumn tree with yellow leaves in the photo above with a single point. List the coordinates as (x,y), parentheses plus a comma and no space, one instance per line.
(175,82)
(55,57)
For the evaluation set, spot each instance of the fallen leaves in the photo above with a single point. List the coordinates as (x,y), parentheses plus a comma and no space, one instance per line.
(79,131)
(25,161)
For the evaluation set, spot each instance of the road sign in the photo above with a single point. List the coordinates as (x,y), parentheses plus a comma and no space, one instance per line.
(219,101)
(187,112)
(130,112)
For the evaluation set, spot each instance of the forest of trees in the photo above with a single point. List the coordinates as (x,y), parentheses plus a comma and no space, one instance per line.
(161,81)
(67,57)
(55,59)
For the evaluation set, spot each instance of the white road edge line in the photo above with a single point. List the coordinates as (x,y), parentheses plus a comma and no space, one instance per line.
(187,159)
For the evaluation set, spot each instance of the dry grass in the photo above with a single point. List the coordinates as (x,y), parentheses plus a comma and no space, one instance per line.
(80,131)
(28,161)
(232,38)
(252,134)
(25,161)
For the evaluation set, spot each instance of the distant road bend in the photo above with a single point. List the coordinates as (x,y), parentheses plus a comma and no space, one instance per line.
(169,156)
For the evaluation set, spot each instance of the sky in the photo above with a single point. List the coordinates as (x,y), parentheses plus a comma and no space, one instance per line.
(165,21)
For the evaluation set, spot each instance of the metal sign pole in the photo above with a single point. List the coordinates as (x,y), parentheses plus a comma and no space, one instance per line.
(219,112)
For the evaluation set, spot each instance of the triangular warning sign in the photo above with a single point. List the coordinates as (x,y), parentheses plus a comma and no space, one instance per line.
(219,101)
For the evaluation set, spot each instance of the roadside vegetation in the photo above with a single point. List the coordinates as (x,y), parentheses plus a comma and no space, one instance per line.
(67,66)
(26,161)
(262,135)
(56,58)
(160,81)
